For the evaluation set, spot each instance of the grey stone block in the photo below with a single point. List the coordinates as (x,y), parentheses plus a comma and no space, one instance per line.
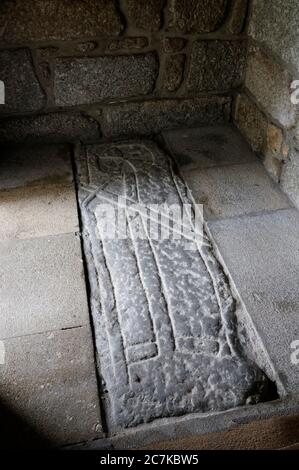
(251,122)
(290,178)
(34,20)
(35,165)
(207,146)
(48,380)
(165,326)
(152,117)
(216,65)
(147,15)
(23,92)
(233,190)
(38,211)
(275,23)
(90,80)
(173,72)
(236,18)
(270,84)
(196,17)
(261,254)
(42,285)
(52,127)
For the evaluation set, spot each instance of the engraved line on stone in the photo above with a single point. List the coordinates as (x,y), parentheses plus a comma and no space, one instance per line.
(171,339)
(140,276)
(160,275)
(129,319)
(141,352)
(217,284)
(92,215)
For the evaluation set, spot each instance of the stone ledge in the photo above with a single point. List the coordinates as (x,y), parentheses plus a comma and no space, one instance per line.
(151,117)
(50,128)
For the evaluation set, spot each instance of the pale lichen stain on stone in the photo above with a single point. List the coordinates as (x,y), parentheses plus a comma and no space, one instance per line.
(164,316)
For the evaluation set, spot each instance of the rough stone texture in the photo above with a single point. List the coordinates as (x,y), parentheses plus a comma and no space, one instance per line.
(145,15)
(267,245)
(234,190)
(270,84)
(274,141)
(35,20)
(127,43)
(173,72)
(48,380)
(275,23)
(165,326)
(197,17)
(207,146)
(38,278)
(35,166)
(52,127)
(38,211)
(252,122)
(216,65)
(153,116)
(22,89)
(290,177)
(173,44)
(273,166)
(89,80)
(237,16)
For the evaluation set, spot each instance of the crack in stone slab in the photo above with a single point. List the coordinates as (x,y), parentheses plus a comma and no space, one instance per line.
(164,316)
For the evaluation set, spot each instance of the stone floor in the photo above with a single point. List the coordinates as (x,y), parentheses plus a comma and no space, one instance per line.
(47,371)
(182,329)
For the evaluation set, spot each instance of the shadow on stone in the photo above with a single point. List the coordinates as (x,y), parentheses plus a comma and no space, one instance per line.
(17,434)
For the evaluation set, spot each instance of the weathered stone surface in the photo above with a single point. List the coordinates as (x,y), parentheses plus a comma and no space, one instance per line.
(165,326)
(208,146)
(276,24)
(196,17)
(274,141)
(237,16)
(216,65)
(145,15)
(290,177)
(38,211)
(42,285)
(173,72)
(35,165)
(268,246)
(274,152)
(52,127)
(273,166)
(270,84)
(89,80)
(251,122)
(173,44)
(22,90)
(35,20)
(234,190)
(49,381)
(151,117)
(127,44)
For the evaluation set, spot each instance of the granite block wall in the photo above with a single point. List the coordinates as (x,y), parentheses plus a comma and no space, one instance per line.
(266,111)
(92,69)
